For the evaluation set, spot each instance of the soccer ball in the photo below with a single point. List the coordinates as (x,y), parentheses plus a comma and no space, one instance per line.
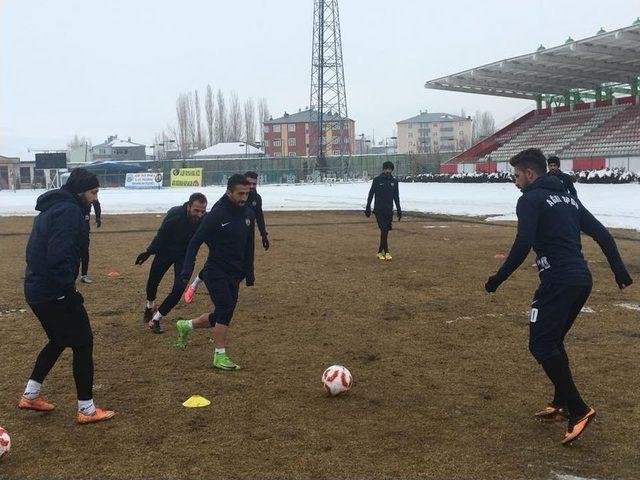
(336,379)
(5,443)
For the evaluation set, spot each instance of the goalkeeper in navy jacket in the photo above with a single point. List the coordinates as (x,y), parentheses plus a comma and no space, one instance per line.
(550,221)
(227,231)
(385,190)
(169,247)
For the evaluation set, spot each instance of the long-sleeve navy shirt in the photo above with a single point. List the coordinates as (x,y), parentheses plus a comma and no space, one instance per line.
(255,203)
(174,234)
(550,221)
(385,189)
(227,231)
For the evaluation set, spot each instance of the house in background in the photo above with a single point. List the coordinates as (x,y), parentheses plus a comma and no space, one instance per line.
(296,135)
(116,149)
(434,133)
(230,150)
(15,174)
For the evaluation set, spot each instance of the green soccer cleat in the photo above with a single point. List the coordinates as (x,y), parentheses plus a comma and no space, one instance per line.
(387,256)
(221,361)
(381,256)
(183,333)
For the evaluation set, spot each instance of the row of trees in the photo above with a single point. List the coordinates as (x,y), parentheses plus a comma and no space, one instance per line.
(225,119)
(483,125)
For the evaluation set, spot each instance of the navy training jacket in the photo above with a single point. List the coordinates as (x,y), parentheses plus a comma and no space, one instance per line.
(58,235)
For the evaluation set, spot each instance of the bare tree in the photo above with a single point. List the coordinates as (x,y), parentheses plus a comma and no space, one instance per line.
(220,118)
(191,121)
(263,115)
(483,125)
(209,110)
(182,128)
(199,137)
(249,121)
(235,119)
(79,141)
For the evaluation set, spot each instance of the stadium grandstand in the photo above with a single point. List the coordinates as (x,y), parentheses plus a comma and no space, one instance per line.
(587,104)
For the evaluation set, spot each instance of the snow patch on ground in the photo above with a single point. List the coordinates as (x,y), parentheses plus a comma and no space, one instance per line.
(562,476)
(614,205)
(629,306)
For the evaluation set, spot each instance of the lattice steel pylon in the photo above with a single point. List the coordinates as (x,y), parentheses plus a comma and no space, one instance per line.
(328,94)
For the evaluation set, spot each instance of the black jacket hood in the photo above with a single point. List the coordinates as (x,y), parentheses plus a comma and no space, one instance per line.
(547,182)
(49,199)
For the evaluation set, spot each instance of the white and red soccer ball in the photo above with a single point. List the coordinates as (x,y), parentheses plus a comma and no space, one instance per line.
(336,379)
(5,443)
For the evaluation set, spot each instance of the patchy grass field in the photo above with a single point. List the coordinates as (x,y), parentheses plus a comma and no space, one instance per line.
(444,384)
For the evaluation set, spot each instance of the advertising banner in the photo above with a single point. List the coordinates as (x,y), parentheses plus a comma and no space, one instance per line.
(143,180)
(186,177)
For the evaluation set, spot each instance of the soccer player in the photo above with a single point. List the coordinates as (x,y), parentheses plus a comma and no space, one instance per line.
(385,189)
(84,278)
(55,245)
(227,231)
(255,203)
(550,221)
(565,179)
(169,247)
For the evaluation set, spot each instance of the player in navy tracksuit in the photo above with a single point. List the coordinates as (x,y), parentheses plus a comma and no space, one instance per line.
(86,209)
(254,202)
(227,231)
(58,238)
(565,179)
(169,247)
(385,189)
(550,221)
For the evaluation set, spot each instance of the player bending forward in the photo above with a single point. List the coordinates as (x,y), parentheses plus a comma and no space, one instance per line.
(227,231)
(550,220)
(169,247)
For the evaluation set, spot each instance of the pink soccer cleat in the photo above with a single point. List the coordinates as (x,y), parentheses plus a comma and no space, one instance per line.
(189,293)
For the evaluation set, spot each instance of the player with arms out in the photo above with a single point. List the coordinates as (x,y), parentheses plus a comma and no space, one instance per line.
(56,243)
(385,189)
(565,179)
(169,247)
(550,221)
(227,231)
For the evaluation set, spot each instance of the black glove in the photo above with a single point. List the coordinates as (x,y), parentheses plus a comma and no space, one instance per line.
(73,299)
(142,258)
(399,215)
(367,211)
(265,242)
(623,279)
(492,284)
(98,222)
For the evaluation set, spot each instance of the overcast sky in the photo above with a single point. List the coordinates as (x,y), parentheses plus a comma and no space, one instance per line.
(102,67)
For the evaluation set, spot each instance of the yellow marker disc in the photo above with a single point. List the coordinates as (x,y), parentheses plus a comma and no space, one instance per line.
(196,401)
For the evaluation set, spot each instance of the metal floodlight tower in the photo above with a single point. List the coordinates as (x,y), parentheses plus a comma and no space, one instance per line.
(328,95)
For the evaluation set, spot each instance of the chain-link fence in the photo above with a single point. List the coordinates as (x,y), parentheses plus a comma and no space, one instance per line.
(277,170)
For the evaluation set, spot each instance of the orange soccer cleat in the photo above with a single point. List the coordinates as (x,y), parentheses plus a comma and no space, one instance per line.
(575,428)
(39,404)
(100,415)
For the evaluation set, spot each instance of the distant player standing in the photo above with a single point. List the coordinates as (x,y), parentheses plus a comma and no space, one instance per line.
(565,179)
(255,203)
(55,245)
(169,247)
(550,222)
(385,189)
(84,277)
(227,231)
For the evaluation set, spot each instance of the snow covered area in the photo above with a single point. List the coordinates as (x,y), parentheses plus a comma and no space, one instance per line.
(615,205)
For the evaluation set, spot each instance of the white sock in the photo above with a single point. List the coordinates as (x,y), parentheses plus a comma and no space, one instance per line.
(196,282)
(190,323)
(149,303)
(220,350)
(157,317)
(86,406)
(32,390)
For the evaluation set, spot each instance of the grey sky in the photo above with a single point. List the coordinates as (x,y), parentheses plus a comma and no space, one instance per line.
(98,68)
